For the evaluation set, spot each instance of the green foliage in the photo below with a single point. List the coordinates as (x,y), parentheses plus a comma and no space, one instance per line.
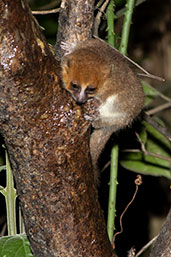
(154,159)
(145,168)
(15,246)
(150,93)
(153,155)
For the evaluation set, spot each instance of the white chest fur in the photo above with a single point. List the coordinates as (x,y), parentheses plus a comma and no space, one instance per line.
(110,111)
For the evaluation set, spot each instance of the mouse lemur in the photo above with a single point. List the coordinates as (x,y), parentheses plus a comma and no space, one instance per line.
(94,70)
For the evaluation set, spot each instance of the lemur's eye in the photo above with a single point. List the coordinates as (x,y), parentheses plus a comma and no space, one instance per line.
(90,89)
(75,87)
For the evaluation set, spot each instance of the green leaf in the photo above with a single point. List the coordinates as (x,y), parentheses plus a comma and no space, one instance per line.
(149,92)
(146,164)
(15,246)
(159,145)
(143,134)
(155,133)
(153,147)
(156,158)
(131,156)
(145,168)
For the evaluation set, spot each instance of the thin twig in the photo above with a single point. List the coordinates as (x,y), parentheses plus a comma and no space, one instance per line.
(98,17)
(46,11)
(2,233)
(99,4)
(132,150)
(148,75)
(164,97)
(158,93)
(149,153)
(138,182)
(146,246)
(105,166)
(159,108)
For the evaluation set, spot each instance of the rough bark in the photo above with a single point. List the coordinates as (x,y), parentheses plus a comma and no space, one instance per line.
(48,143)
(75,22)
(162,247)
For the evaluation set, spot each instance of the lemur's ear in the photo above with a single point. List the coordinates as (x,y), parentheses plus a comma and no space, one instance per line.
(66,63)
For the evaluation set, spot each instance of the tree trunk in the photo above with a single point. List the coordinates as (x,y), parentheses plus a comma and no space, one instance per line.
(162,247)
(47,140)
(75,22)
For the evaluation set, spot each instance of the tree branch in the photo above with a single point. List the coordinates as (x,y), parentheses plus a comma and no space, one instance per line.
(162,246)
(98,17)
(47,139)
(43,12)
(75,22)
